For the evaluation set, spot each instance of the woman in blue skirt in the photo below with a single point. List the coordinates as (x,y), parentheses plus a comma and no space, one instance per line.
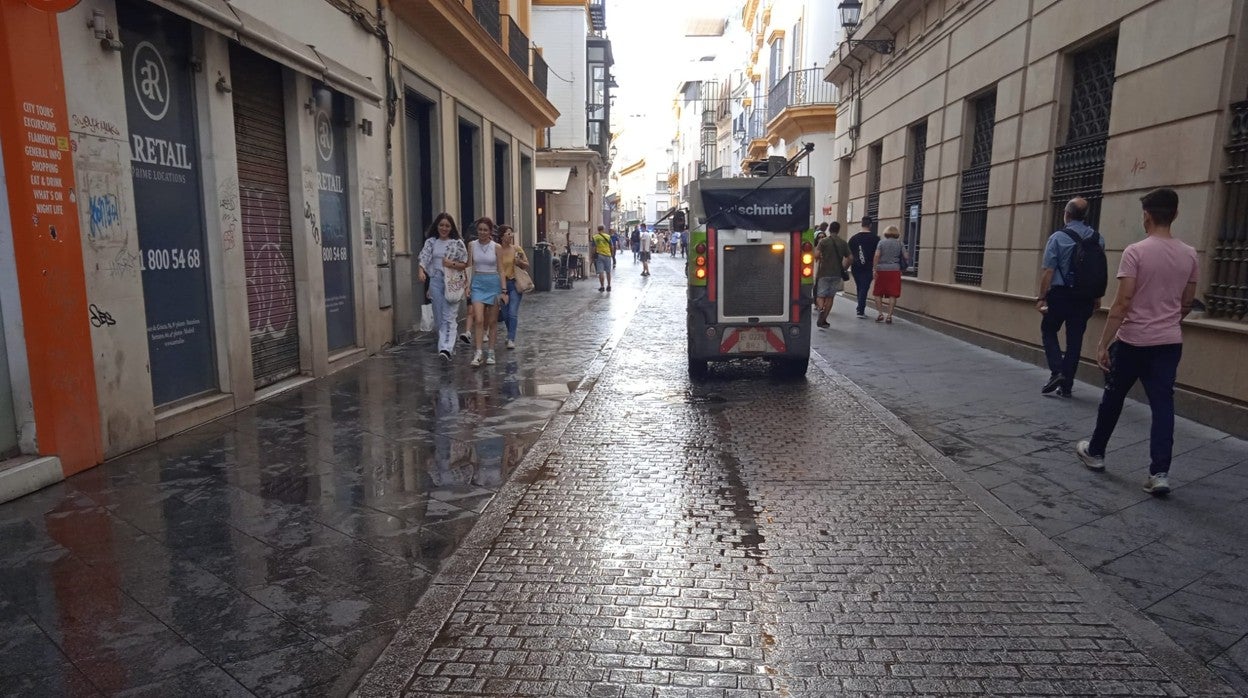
(488,290)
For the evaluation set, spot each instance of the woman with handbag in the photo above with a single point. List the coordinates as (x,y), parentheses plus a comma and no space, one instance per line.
(890,259)
(488,290)
(514,266)
(444,264)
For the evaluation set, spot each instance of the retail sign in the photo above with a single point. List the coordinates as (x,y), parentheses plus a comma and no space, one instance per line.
(746,208)
(331,170)
(168,207)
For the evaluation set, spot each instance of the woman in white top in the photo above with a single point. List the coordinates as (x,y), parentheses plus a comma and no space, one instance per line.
(488,289)
(443,250)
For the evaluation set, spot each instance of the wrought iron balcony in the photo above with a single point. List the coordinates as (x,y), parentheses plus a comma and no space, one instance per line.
(799,88)
(598,14)
(756,128)
(539,71)
(517,45)
(487,14)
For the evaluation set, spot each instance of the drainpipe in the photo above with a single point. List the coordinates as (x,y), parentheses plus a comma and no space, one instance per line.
(392,99)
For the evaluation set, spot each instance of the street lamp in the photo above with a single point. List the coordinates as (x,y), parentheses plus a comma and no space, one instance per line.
(851,16)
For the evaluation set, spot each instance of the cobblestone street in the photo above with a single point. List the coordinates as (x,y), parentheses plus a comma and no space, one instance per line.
(750,537)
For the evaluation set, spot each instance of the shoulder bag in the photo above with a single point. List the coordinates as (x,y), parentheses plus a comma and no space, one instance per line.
(456,280)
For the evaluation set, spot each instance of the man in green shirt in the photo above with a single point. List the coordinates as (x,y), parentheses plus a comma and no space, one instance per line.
(604,257)
(834,258)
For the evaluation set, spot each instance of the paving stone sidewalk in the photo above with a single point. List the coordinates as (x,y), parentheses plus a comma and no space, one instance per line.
(751,537)
(276,551)
(1182,560)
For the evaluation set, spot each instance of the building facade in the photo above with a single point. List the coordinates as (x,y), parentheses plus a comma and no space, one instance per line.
(207,202)
(988,115)
(574,152)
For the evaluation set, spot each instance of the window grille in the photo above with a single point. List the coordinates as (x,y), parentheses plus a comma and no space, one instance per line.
(1079,164)
(973,204)
(912,204)
(1228,279)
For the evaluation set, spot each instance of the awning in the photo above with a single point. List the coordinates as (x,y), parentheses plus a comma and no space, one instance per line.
(553,178)
(275,45)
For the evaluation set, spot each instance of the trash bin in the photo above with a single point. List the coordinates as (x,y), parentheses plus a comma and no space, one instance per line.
(541,266)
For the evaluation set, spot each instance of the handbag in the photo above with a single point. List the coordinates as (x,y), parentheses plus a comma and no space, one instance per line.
(426,318)
(456,285)
(524,282)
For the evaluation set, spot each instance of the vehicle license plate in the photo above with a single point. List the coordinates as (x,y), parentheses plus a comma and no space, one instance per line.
(753,341)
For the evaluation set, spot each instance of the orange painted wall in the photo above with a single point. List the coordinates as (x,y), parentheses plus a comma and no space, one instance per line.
(38,166)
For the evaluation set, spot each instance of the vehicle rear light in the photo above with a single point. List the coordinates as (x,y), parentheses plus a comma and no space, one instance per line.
(808,258)
(807,271)
(700,261)
(777,247)
(701,273)
(807,247)
(701,248)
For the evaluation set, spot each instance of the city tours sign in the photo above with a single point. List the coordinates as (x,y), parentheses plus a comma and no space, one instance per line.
(164,163)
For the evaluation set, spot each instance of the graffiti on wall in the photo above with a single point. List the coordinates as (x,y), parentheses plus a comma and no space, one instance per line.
(227,198)
(103,215)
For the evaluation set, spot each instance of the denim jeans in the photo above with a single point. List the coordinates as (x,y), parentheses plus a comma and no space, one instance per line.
(445,313)
(1155,367)
(1064,309)
(862,283)
(511,311)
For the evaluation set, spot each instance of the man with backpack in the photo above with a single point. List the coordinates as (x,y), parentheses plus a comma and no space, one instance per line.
(1075,276)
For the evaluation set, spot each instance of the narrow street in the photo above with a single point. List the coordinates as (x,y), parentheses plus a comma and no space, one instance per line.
(749,537)
(578,520)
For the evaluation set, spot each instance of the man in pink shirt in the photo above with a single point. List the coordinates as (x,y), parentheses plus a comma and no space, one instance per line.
(1143,339)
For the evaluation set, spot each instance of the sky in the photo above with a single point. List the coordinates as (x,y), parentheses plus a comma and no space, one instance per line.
(644,37)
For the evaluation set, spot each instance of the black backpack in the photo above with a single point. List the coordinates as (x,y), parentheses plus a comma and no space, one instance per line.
(1089,269)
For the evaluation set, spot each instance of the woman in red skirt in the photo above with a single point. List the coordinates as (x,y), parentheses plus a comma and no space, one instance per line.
(890,258)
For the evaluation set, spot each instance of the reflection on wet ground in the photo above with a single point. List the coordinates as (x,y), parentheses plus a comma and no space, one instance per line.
(277,550)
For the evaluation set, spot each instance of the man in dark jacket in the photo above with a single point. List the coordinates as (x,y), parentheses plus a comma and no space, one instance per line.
(862,249)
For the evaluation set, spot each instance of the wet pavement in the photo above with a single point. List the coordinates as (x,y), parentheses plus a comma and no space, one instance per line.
(749,537)
(1182,560)
(276,551)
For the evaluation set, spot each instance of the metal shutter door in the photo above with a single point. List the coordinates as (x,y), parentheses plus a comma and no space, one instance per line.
(264,200)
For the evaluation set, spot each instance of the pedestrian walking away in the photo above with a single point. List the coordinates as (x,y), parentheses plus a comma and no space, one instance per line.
(890,259)
(1070,291)
(1143,336)
(511,257)
(862,248)
(832,254)
(635,243)
(645,244)
(443,251)
(604,258)
(488,289)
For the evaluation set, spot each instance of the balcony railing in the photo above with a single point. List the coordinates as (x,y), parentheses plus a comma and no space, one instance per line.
(517,45)
(487,14)
(598,14)
(756,128)
(799,88)
(539,71)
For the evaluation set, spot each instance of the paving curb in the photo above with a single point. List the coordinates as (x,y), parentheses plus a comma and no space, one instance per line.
(389,674)
(1184,669)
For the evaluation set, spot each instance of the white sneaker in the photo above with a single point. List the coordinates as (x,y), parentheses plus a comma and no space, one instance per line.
(1093,462)
(476,360)
(511,344)
(1158,484)
(489,357)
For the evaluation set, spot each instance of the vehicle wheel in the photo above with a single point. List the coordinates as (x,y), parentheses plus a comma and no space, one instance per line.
(793,368)
(698,369)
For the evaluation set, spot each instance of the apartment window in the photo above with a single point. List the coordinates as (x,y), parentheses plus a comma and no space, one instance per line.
(795,57)
(912,203)
(973,205)
(875,171)
(1079,164)
(598,102)
(1228,279)
(776,61)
